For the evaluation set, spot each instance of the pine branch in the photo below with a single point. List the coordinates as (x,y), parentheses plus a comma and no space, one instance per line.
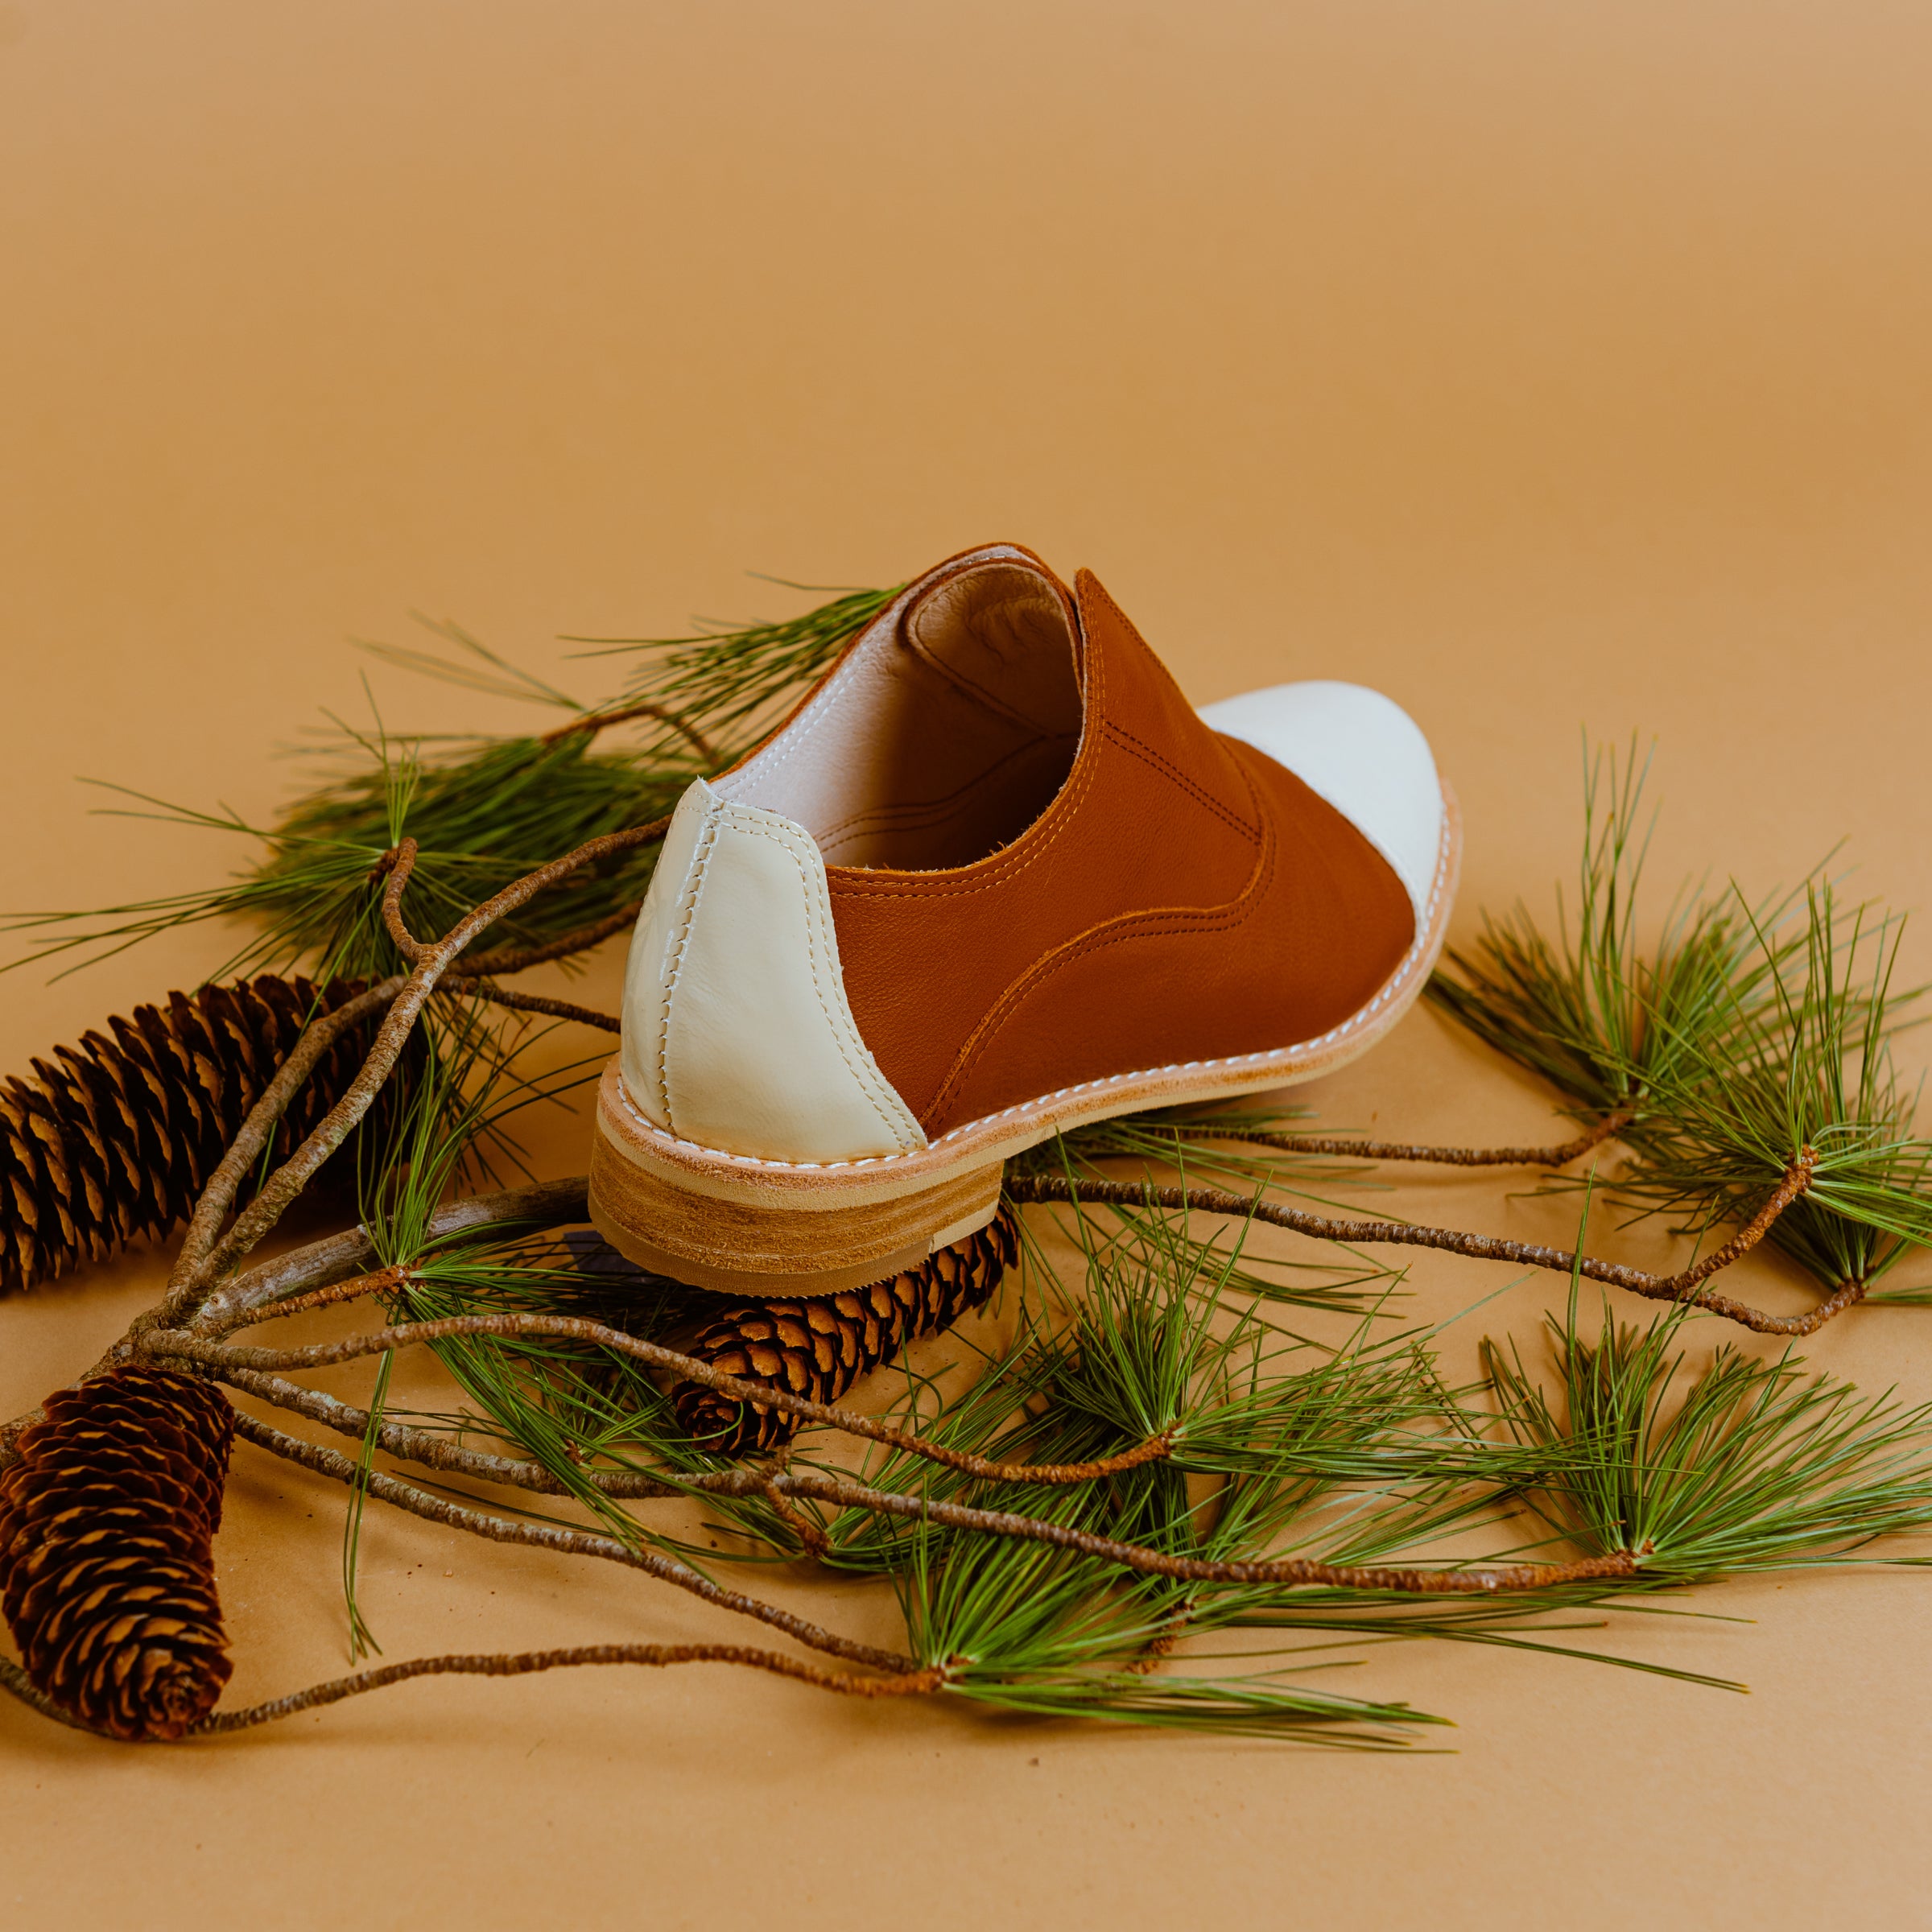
(735,678)
(1685,1286)
(176,1345)
(482,810)
(1757,1466)
(416,1501)
(523,1664)
(1814,1063)
(1555,1154)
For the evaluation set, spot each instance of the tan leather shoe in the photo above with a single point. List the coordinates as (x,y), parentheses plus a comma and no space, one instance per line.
(996,877)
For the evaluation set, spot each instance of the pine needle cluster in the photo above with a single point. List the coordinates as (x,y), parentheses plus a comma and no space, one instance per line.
(1746,1037)
(482,810)
(1753,1465)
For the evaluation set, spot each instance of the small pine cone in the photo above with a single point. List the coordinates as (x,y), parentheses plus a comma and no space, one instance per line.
(107,1524)
(817,1346)
(115,1138)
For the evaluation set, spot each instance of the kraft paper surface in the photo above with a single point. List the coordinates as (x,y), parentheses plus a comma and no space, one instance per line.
(1551,368)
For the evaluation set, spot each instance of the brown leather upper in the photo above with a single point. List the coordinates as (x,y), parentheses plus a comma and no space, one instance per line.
(1182,897)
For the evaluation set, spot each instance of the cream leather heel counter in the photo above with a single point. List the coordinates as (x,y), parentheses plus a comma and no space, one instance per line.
(737,1035)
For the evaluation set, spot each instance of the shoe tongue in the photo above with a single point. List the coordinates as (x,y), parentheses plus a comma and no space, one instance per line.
(1002,631)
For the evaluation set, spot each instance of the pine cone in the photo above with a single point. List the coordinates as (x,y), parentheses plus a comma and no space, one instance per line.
(118,1138)
(817,1346)
(107,1524)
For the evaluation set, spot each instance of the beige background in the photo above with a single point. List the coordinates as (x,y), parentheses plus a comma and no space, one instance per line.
(1548,365)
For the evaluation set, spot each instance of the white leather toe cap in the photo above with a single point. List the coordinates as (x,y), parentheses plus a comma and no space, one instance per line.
(1362,753)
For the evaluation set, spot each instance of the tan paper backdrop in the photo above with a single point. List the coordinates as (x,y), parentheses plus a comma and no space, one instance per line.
(1551,366)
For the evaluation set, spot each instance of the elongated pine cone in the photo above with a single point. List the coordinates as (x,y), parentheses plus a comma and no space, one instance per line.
(817,1346)
(107,1525)
(115,1138)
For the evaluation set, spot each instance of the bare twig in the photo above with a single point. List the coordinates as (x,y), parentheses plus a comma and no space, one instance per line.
(218,1196)
(260,1293)
(221,1357)
(516,959)
(1797,1177)
(1475,1580)
(520,1664)
(1846,1295)
(195,1274)
(431,1450)
(257,1294)
(910,1683)
(532,1002)
(568,1543)
(14,1679)
(812,1540)
(602,720)
(1559,1155)
(1685,1287)
(1485,1580)
(382,1281)
(399,862)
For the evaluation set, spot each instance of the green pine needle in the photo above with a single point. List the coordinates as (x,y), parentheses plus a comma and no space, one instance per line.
(361,1639)
(1748,1033)
(1602,1021)
(1756,1465)
(732,681)
(1811,1066)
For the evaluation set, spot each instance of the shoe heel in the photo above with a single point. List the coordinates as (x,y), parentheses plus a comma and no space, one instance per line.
(718,1231)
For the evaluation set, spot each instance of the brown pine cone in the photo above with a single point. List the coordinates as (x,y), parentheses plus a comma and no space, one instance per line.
(817,1346)
(107,1524)
(115,1138)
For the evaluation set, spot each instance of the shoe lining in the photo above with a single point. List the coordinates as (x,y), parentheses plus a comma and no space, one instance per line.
(949,729)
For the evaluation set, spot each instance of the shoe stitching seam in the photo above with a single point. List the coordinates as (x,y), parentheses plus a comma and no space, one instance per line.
(1183,921)
(919,814)
(835,692)
(1136,747)
(1002,867)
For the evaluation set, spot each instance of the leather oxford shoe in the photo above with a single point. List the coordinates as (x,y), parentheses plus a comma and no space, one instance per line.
(993,877)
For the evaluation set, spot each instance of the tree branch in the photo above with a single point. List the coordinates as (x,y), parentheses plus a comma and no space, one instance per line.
(193,1274)
(258,1294)
(602,720)
(176,1344)
(218,1196)
(842,1492)
(569,1542)
(516,958)
(17,1681)
(508,1664)
(531,1002)
(1486,1579)
(431,1450)
(1034,1189)
(1558,1155)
